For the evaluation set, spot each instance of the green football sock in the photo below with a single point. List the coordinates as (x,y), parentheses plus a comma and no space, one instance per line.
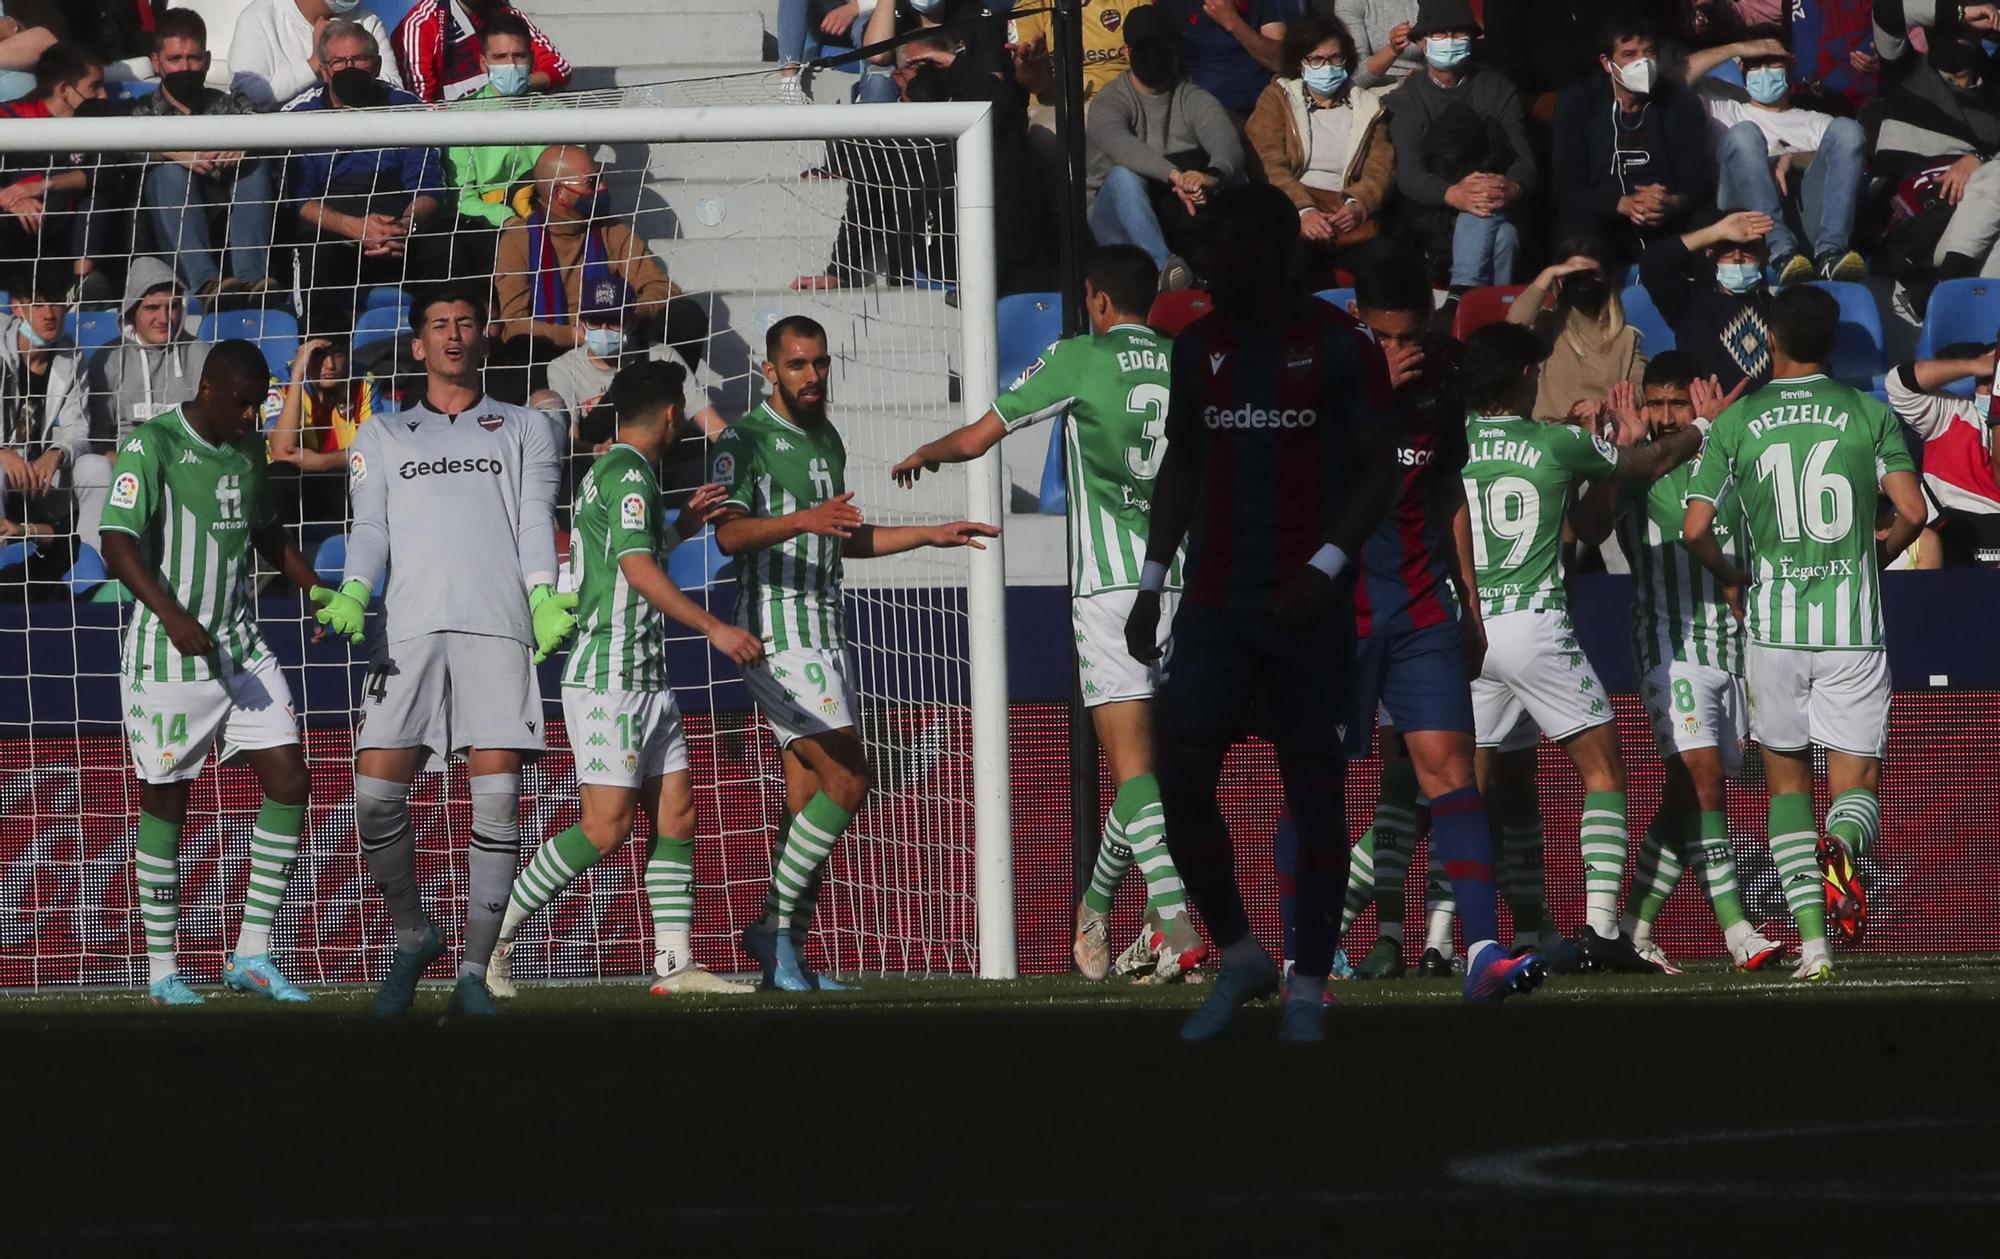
(1718,866)
(156,866)
(1114,858)
(670,896)
(1856,818)
(1603,841)
(1519,842)
(1395,839)
(1657,870)
(814,832)
(1360,880)
(554,866)
(1145,826)
(274,849)
(1793,841)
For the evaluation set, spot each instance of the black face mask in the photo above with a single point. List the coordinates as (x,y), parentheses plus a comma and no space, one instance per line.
(1586,293)
(1155,65)
(1955,56)
(356,87)
(186,86)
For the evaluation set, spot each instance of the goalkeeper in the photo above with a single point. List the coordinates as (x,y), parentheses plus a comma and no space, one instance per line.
(1114,385)
(789,517)
(453,497)
(616,696)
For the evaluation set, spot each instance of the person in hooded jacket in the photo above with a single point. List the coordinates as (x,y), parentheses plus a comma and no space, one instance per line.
(44,425)
(154,364)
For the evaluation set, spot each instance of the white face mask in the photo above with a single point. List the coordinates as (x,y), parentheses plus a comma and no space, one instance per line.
(605,343)
(1447,52)
(341,8)
(1638,76)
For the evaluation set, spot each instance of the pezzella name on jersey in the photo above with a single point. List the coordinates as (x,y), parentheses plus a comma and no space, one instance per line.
(413,468)
(1247,416)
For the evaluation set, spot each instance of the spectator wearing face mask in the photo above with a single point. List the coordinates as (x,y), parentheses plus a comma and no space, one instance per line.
(273,54)
(366,216)
(187,195)
(1323,141)
(1708,285)
(583,375)
(1591,347)
(1159,147)
(442,57)
(44,424)
(53,204)
(1798,166)
(1959,454)
(1463,159)
(495,182)
(1634,159)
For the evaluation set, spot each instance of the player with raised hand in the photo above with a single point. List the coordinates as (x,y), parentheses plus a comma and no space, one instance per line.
(791,520)
(1113,384)
(1804,457)
(187,506)
(616,693)
(455,498)
(1688,649)
(1520,475)
(1280,463)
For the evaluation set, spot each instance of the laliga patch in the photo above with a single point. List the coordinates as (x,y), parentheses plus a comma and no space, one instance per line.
(725,467)
(1605,448)
(125,491)
(357,468)
(632,511)
(492,423)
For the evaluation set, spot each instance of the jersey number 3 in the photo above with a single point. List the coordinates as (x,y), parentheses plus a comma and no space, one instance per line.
(1143,460)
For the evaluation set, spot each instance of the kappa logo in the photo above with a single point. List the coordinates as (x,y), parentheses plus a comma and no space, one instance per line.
(597,740)
(782,444)
(138,711)
(135,447)
(492,423)
(633,474)
(187,456)
(597,714)
(596,766)
(1215,362)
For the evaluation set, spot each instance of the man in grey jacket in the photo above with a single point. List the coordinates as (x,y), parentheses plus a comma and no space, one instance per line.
(44,428)
(1452,125)
(1159,147)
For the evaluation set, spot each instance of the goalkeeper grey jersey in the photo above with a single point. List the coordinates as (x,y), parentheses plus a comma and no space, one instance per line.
(460,510)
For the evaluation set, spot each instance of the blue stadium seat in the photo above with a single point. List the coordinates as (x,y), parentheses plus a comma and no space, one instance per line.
(1858,349)
(331,559)
(1960,310)
(12,553)
(1029,322)
(699,563)
(1053,497)
(390,295)
(391,11)
(1338,297)
(275,332)
(1655,336)
(87,574)
(378,324)
(91,329)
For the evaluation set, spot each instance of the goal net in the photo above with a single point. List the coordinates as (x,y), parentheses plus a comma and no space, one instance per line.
(886,208)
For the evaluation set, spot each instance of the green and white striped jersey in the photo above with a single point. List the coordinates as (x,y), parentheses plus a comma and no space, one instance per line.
(192,507)
(1115,389)
(1805,460)
(1678,613)
(1518,477)
(789,594)
(620,637)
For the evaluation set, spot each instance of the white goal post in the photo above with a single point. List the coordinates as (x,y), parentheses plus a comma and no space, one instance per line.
(974,361)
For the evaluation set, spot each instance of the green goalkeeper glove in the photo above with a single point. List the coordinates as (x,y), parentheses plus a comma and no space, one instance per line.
(344,610)
(554,619)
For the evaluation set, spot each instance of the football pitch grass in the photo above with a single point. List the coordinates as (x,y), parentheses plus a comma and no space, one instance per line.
(1710,1112)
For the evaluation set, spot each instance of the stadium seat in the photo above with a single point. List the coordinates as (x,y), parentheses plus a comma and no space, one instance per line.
(275,332)
(390,11)
(331,559)
(1482,306)
(1029,324)
(87,573)
(1655,337)
(1336,297)
(1053,497)
(1960,310)
(12,553)
(91,329)
(378,324)
(1858,353)
(220,17)
(1176,310)
(391,295)
(698,563)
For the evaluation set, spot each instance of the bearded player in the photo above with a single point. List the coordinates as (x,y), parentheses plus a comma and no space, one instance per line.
(187,507)
(791,521)
(455,498)
(1112,383)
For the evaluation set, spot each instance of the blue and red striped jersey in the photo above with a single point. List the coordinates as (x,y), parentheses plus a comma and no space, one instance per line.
(1271,406)
(1404,582)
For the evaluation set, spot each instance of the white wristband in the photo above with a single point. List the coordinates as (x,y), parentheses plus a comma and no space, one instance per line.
(1153,577)
(1702,426)
(1329,559)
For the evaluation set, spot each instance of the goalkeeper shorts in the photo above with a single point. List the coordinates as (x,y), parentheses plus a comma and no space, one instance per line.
(172,725)
(622,738)
(802,692)
(450,691)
